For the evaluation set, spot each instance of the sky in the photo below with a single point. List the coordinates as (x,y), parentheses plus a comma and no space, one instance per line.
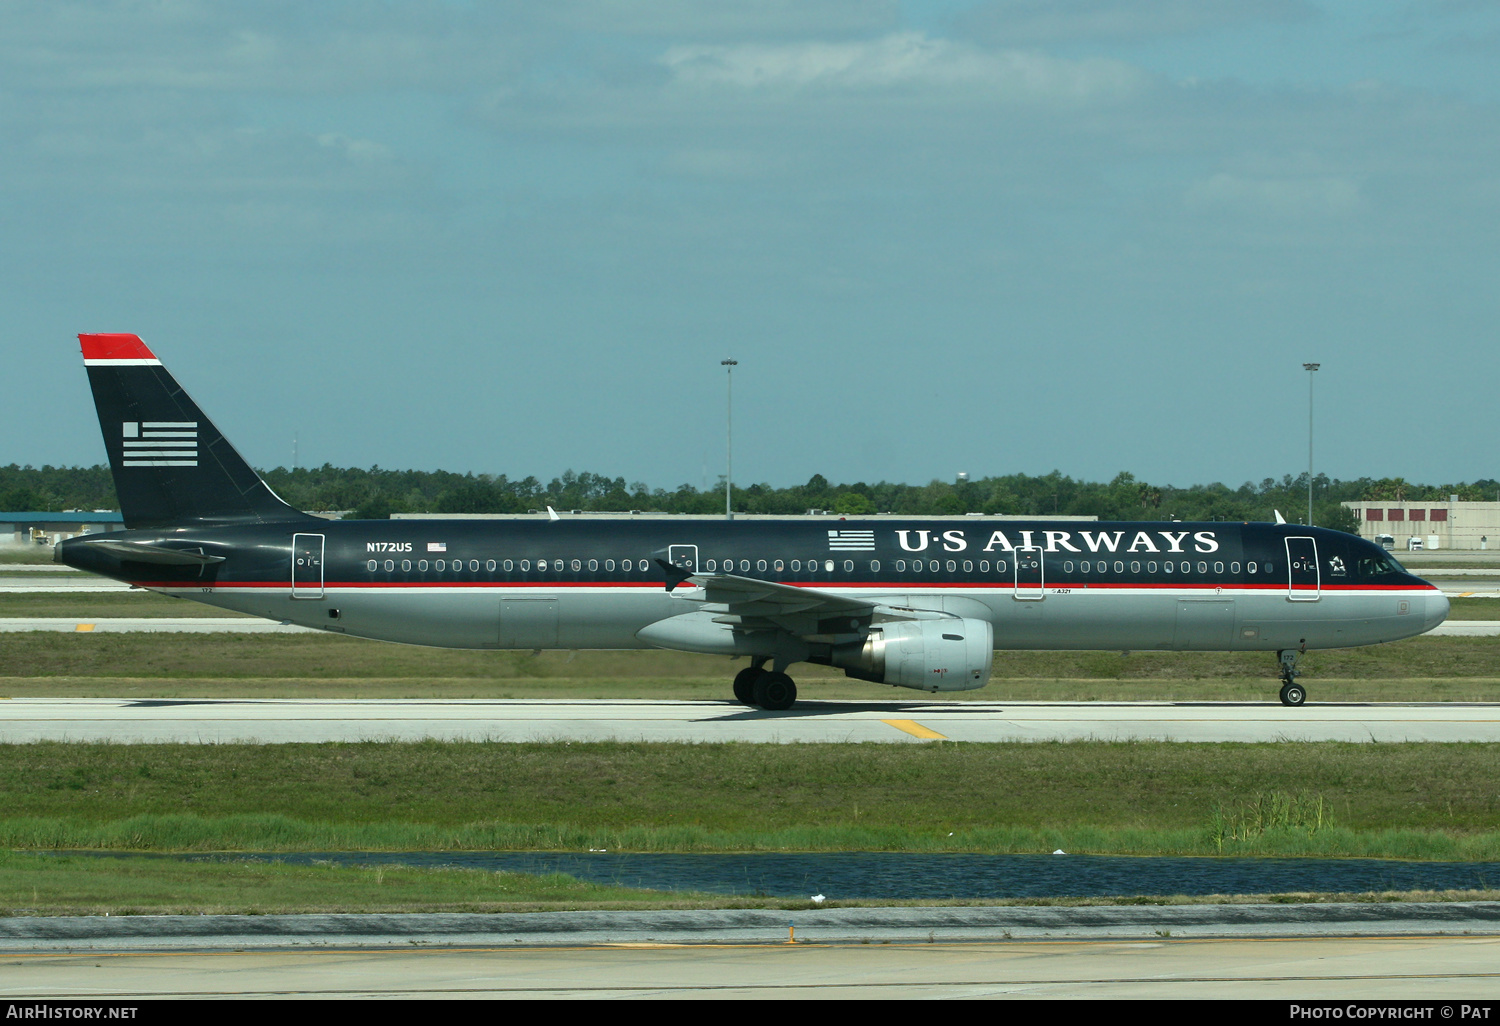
(980,236)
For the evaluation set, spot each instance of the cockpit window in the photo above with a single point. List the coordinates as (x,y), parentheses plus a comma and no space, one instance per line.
(1379,564)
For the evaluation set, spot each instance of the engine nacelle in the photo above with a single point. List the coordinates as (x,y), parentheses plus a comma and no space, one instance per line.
(950,654)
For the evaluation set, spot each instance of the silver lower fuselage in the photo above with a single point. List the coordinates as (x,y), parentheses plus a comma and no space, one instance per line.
(1078,618)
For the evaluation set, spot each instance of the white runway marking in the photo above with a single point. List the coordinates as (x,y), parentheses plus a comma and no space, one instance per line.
(318,720)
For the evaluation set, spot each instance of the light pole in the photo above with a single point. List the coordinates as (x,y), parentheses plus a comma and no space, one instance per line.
(729,366)
(1310,368)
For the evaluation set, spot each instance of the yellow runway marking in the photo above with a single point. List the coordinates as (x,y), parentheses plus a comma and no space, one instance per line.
(84,627)
(915,729)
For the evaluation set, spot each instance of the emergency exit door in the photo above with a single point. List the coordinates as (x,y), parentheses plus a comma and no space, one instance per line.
(307,566)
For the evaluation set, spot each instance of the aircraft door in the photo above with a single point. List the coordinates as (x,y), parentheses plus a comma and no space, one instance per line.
(307,566)
(1303,577)
(1029,574)
(685,556)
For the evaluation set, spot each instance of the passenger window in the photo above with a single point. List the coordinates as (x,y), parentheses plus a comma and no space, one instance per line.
(1119,566)
(744,566)
(796,566)
(711,565)
(577,565)
(760,565)
(509,565)
(900,566)
(473,566)
(1250,568)
(952,566)
(1151,567)
(525,565)
(440,565)
(916,566)
(1103,567)
(372,565)
(1086,566)
(1218,568)
(422,565)
(999,566)
(1167,567)
(1234,568)
(489,565)
(828,565)
(848,566)
(1135,567)
(779,566)
(593,565)
(390,565)
(1203,568)
(1068,567)
(406,566)
(874,566)
(968,566)
(933,565)
(984,566)
(1186,567)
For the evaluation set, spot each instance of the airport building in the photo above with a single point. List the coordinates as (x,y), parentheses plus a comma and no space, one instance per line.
(42,528)
(1429,524)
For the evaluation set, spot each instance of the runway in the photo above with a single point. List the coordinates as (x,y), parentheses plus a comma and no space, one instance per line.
(873,960)
(272,721)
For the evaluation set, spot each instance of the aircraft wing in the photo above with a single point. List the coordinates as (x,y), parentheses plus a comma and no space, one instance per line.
(808,613)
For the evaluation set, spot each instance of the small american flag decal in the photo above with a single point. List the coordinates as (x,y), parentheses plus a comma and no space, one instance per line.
(851,541)
(437,546)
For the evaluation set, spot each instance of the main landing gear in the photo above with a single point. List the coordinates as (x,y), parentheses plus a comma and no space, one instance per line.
(768,689)
(1292,693)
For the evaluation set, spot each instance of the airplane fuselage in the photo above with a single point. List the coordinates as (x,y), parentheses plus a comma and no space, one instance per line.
(581,583)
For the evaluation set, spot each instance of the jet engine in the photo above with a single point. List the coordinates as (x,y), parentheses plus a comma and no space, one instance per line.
(950,654)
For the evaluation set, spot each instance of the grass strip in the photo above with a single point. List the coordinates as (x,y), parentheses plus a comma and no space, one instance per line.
(272,833)
(1427,801)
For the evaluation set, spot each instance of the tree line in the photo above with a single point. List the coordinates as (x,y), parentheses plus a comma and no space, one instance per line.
(377,493)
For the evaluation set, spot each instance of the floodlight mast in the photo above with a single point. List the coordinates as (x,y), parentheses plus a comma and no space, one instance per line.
(1310,368)
(729,366)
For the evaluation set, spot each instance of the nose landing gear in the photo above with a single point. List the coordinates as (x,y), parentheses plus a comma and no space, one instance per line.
(768,689)
(1292,693)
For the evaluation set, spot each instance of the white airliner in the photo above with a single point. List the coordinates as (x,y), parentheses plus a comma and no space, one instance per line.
(913,603)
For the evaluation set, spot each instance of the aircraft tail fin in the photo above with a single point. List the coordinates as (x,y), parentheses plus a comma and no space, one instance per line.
(170,464)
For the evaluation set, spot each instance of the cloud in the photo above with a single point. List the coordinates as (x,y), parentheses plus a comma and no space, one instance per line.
(904,60)
(1012,22)
(1281,197)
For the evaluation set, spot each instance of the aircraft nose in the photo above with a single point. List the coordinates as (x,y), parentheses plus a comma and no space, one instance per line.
(1437,609)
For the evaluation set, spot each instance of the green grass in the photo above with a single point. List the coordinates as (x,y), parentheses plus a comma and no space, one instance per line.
(49,884)
(1434,801)
(42,664)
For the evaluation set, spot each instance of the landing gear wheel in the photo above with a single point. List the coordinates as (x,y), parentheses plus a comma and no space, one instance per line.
(775,691)
(744,684)
(1293,694)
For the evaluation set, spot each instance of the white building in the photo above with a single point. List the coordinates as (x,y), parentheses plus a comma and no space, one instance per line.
(1435,524)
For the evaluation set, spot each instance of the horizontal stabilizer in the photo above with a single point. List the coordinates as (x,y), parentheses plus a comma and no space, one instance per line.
(137,552)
